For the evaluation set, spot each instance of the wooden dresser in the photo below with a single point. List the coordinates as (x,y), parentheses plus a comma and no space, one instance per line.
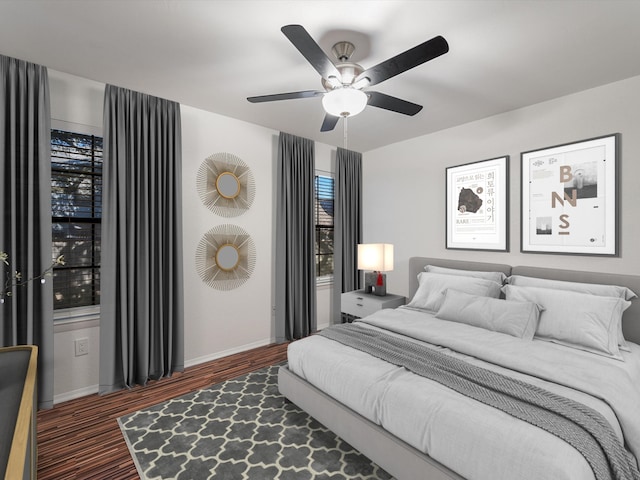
(18,404)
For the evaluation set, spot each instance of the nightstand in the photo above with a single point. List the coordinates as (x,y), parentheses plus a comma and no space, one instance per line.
(358,304)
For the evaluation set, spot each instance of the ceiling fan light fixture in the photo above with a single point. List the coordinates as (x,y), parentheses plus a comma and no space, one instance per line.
(344,82)
(344,102)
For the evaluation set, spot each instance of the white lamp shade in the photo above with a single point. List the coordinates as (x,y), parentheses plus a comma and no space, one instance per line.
(375,256)
(344,102)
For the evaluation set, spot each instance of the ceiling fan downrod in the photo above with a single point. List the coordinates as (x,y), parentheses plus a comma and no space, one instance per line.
(343,51)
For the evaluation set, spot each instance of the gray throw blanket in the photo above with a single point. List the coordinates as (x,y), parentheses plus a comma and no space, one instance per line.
(580,426)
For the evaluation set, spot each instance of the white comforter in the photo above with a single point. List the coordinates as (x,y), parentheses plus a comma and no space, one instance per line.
(474,440)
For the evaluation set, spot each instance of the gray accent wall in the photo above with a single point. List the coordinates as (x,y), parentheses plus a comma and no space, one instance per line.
(404,183)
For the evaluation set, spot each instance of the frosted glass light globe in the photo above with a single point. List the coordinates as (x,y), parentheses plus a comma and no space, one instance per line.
(344,102)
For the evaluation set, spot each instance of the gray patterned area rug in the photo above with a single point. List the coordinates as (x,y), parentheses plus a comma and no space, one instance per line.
(239,429)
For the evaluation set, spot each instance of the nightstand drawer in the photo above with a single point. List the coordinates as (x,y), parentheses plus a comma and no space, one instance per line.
(360,304)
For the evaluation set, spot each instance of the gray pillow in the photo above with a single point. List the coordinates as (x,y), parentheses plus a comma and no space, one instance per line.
(498,277)
(592,288)
(519,319)
(432,287)
(579,320)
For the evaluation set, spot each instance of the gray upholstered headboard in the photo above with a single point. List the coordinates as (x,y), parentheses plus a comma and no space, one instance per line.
(630,319)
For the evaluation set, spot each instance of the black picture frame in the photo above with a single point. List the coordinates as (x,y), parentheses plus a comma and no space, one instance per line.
(477,205)
(569,198)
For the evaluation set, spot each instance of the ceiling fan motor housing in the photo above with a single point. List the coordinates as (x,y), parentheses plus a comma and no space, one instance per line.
(348,73)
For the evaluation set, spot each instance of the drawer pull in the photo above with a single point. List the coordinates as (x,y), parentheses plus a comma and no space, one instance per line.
(359,304)
(360,298)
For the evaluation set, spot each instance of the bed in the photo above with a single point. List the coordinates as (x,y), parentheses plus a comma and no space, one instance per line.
(417,428)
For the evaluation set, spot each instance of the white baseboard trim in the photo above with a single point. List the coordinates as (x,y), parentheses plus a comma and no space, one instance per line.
(226,353)
(72,395)
(90,390)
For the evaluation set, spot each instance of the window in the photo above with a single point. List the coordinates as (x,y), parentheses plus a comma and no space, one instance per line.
(76,201)
(324,226)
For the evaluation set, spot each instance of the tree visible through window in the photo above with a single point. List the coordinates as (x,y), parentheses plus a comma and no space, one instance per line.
(324,225)
(76,201)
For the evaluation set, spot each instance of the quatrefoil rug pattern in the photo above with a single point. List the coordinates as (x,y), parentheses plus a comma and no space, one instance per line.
(239,429)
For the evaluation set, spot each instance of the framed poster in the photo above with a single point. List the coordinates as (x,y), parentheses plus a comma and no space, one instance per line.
(569,198)
(477,205)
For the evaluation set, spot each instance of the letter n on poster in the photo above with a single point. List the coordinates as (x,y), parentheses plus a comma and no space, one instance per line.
(569,198)
(477,208)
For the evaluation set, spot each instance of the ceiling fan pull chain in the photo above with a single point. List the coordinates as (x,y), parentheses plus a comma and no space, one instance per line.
(345,133)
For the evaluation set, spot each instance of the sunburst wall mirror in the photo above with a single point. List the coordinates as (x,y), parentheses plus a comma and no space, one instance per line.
(225,185)
(225,257)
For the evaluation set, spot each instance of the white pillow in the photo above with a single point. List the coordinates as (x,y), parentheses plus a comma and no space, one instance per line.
(498,277)
(592,288)
(579,320)
(432,287)
(519,319)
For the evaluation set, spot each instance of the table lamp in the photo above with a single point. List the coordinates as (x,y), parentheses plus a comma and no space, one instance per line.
(377,257)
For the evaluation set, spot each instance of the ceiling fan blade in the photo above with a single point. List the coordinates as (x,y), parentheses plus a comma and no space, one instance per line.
(329,123)
(311,50)
(381,100)
(285,96)
(405,61)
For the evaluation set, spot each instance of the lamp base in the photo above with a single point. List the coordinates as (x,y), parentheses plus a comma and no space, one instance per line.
(375,283)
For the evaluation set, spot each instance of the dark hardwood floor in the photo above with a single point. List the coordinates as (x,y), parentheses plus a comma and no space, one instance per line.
(80,439)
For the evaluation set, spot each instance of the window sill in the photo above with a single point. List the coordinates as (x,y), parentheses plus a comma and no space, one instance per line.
(68,319)
(326,281)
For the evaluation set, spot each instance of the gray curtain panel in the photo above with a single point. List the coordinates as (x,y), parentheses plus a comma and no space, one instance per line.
(295,291)
(347,231)
(25,202)
(141,325)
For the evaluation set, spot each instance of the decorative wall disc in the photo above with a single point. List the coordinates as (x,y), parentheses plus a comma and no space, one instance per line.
(225,257)
(225,185)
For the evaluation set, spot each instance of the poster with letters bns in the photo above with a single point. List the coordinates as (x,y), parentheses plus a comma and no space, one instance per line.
(569,198)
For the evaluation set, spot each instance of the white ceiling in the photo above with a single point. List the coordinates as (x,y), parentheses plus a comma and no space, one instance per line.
(213,54)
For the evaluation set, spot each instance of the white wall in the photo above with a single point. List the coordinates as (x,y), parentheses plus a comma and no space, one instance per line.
(403,198)
(217,323)
(404,183)
(75,376)
(221,322)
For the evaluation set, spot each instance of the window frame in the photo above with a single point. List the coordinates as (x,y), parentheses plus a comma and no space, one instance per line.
(323,279)
(87,315)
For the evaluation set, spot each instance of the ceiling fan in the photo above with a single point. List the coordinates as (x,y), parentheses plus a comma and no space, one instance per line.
(344,82)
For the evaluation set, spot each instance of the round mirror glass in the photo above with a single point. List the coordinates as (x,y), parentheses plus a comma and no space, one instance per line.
(227,257)
(228,185)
